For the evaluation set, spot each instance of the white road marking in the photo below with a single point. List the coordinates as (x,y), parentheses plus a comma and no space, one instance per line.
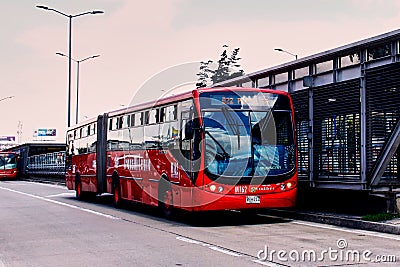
(62,204)
(225,251)
(188,240)
(266,263)
(219,249)
(62,195)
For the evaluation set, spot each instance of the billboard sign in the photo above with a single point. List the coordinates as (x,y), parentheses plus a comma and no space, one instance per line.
(46,132)
(7,139)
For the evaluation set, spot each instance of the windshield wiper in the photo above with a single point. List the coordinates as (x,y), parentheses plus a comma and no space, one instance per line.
(232,123)
(225,154)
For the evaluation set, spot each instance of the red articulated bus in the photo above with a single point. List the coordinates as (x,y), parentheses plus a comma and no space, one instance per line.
(207,149)
(8,165)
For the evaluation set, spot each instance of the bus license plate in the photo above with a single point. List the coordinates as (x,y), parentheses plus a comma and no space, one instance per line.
(252,199)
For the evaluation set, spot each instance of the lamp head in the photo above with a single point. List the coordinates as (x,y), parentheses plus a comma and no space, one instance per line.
(43,7)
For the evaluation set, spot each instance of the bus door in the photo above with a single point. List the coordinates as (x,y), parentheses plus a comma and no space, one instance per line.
(190,151)
(186,143)
(190,144)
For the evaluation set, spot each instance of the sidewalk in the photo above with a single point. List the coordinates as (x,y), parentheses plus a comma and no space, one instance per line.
(343,220)
(344,208)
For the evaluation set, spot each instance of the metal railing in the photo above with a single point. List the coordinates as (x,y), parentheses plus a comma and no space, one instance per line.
(49,164)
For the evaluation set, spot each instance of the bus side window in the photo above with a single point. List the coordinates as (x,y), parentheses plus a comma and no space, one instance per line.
(162,114)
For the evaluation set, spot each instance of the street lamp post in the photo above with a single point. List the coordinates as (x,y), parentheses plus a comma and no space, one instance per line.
(69,48)
(284,51)
(77,78)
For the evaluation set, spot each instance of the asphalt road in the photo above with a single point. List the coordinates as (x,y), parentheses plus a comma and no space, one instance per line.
(44,225)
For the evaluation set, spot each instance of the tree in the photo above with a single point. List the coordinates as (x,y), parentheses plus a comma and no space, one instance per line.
(226,69)
(234,63)
(204,74)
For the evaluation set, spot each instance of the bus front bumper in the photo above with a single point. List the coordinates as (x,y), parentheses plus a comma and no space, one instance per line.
(8,174)
(207,201)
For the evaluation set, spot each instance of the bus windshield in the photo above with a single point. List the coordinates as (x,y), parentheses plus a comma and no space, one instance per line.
(8,161)
(249,140)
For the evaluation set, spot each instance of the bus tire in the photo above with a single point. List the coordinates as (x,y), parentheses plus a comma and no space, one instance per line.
(165,198)
(78,189)
(116,189)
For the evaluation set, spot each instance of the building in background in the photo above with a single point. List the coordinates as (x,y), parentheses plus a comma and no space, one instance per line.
(7,142)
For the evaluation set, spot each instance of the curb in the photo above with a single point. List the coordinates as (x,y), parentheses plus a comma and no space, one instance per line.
(338,221)
(57,181)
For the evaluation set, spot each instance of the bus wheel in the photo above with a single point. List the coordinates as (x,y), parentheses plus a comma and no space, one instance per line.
(78,190)
(165,199)
(117,201)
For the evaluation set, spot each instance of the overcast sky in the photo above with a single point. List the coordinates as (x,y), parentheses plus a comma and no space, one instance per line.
(139,39)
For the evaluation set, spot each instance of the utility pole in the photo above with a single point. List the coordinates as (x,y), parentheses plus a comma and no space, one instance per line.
(19,132)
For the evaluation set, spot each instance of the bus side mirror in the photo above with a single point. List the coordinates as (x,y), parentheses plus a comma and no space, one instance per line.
(189,132)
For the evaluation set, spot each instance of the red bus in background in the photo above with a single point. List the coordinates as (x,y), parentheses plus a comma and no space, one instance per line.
(207,149)
(8,165)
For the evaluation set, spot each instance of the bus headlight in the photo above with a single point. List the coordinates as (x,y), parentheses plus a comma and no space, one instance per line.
(212,188)
(220,189)
(287,186)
